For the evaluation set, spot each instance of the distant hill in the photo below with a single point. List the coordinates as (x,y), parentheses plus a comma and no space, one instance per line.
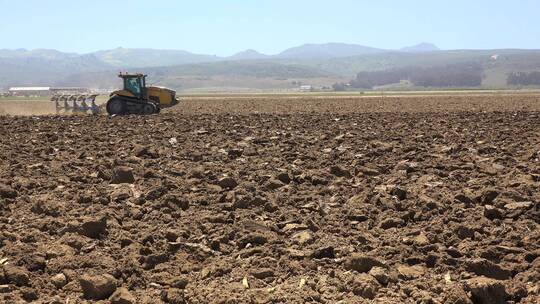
(318,64)
(248,74)
(350,66)
(137,58)
(46,54)
(421,48)
(44,68)
(121,57)
(328,50)
(260,69)
(248,55)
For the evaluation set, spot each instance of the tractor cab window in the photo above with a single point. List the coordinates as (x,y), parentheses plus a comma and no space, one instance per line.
(133,85)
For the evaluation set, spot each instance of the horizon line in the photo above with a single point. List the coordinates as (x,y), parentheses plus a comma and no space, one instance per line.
(402,50)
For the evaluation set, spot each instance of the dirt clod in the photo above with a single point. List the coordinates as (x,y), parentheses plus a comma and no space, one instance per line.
(303,237)
(421,240)
(483,267)
(122,296)
(323,253)
(93,228)
(411,272)
(16,275)
(362,263)
(380,274)
(486,291)
(7,192)
(122,175)
(489,195)
(365,286)
(455,294)
(518,205)
(492,213)
(391,223)
(227,183)
(29,294)
(97,287)
(173,296)
(399,192)
(339,171)
(263,273)
(59,280)
(6,288)
(284,177)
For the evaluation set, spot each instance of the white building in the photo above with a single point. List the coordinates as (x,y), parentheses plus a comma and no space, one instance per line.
(45,91)
(306,88)
(29,91)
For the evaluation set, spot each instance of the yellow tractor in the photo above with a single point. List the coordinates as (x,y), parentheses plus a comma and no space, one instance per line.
(137,98)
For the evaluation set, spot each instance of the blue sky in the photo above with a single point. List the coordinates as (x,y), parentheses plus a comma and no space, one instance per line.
(270,26)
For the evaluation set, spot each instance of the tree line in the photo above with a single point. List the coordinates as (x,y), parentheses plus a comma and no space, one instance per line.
(523,78)
(455,75)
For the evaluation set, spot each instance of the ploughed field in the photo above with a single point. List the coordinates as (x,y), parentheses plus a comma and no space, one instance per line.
(268,199)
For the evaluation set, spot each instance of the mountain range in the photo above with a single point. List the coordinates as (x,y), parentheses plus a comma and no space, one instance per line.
(140,58)
(319,64)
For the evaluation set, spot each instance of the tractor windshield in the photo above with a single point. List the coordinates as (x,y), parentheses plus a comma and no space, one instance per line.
(133,85)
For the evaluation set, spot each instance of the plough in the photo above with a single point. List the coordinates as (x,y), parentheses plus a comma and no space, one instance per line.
(77,103)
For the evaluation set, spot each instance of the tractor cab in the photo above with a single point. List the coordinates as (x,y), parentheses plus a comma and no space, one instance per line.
(135,84)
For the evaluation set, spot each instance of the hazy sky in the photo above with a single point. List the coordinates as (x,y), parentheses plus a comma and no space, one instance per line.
(224,27)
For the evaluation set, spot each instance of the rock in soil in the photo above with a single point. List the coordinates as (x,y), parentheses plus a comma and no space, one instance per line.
(6,288)
(339,171)
(421,240)
(518,205)
(16,275)
(122,296)
(302,237)
(489,195)
(492,213)
(488,269)
(391,223)
(93,228)
(227,183)
(173,296)
(411,272)
(380,274)
(274,184)
(456,295)
(486,291)
(122,175)
(362,263)
(365,286)
(263,273)
(180,283)
(29,294)
(59,280)
(7,192)
(284,177)
(97,287)
(323,252)
(399,192)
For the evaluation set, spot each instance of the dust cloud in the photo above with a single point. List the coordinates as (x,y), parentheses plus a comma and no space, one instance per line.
(26,108)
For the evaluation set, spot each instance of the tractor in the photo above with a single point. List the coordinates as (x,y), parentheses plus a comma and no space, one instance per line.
(139,99)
